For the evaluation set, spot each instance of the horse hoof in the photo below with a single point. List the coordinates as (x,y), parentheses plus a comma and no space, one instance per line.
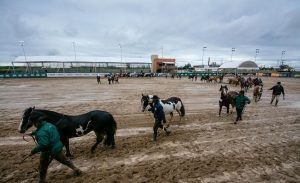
(78,172)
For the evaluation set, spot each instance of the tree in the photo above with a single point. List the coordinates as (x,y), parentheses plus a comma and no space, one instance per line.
(187,66)
(285,67)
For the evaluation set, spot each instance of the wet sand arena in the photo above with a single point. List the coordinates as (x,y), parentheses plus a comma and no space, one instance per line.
(203,147)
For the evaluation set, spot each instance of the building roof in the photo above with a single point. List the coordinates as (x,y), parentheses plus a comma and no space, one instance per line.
(80,59)
(243,65)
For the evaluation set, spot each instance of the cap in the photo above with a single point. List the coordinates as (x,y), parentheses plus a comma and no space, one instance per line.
(155,97)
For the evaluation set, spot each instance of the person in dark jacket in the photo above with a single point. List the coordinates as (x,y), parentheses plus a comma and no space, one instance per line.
(98,79)
(240,102)
(277,90)
(160,119)
(50,146)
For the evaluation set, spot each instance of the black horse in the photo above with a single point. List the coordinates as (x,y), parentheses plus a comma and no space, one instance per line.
(205,78)
(257,82)
(226,99)
(245,84)
(101,122)
(191,77)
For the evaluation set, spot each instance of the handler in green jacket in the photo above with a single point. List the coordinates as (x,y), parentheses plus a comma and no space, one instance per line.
(240,102)
(50,146)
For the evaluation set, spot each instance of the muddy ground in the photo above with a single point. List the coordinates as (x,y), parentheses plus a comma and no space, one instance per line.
(203,147)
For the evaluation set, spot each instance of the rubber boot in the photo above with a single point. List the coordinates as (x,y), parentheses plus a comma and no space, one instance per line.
(154,137)
(42,178)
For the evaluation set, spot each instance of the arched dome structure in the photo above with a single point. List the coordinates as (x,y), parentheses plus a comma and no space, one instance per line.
(245,65)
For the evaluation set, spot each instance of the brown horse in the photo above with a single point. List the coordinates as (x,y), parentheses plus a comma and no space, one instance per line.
(234,81)
(226,99)
(213,78)
(257,92)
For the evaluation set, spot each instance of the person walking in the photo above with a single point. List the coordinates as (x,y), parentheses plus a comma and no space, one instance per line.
(50,146)
(240,102)
(98,79)
(277,90)
(160,119)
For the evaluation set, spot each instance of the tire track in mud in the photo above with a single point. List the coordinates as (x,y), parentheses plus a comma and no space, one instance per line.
(230,150)
(206,133)
(212,155)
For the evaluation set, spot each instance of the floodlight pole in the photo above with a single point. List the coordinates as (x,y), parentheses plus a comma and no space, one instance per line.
(203,49)
(121,49)
(256,53)
(232,50)
(282,53)
(74,47)
(22,43)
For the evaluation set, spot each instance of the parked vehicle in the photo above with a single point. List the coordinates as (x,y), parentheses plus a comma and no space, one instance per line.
(148,74)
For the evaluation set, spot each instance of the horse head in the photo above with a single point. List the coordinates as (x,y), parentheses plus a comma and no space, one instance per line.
(145,101)
(25,123)
(223,90)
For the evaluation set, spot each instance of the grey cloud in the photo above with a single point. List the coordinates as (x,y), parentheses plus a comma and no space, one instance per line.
(53,52)
(21,28)
(182,28)
(70,31)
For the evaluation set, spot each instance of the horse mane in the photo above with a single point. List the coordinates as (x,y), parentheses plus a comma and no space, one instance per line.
(50,116)
(174,99)
(48,112)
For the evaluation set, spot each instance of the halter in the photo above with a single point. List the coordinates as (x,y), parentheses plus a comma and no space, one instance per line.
(147,99)
(28,120)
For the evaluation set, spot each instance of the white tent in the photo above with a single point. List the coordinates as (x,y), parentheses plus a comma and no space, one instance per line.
(245,65)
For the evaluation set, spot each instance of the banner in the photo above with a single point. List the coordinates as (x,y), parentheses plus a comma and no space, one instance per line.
(24,75)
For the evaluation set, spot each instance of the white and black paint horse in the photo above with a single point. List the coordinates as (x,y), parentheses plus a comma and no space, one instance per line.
(169,105)
(101,122)
(226,99)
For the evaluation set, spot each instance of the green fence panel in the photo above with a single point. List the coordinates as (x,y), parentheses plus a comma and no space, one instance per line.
(24,75)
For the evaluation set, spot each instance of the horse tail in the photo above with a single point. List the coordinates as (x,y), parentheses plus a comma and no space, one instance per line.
(114,125)
(182,110)
(111,131)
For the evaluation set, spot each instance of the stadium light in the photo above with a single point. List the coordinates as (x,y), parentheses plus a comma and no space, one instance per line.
(121,49)
(232,50)
(282,54)
(22,43)
(203,53)
(256,53)
(74,47)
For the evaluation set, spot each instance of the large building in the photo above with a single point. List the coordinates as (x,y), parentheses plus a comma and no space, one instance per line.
(163,65)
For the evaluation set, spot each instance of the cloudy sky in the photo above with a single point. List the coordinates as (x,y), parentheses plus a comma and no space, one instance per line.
(169,28)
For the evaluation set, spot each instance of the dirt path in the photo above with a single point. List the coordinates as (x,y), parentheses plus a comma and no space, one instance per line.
(203,147)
